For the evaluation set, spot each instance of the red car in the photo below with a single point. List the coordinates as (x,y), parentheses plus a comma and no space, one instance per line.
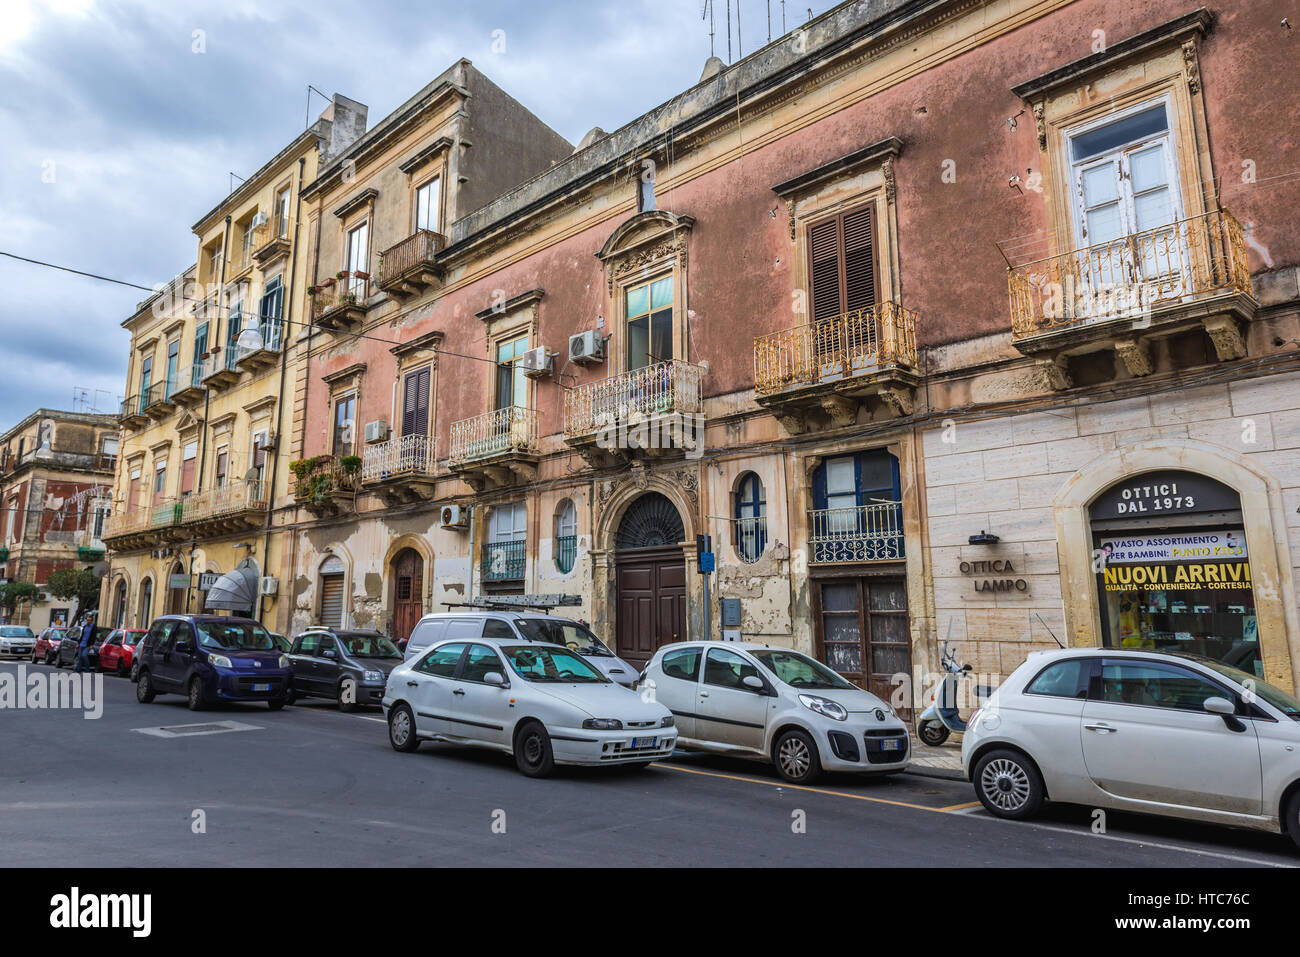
(47,646)
(118,650)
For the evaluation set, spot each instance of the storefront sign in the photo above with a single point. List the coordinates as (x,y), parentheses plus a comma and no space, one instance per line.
(1191,576)
(1157,494)
(998,566)
(1174,547)
(207,580)
(178,582)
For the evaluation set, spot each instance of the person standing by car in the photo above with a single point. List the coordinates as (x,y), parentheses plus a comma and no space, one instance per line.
(83,647)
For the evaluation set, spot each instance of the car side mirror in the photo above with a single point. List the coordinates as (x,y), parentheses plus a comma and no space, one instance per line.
(182,648)
(752,682)
(330,654)
(1224,709)
(495,678)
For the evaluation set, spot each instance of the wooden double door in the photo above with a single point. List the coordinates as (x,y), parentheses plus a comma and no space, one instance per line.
(862,632)
(408,592)
(651,596)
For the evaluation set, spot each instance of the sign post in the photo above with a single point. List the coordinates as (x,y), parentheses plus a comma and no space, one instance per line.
(707,560)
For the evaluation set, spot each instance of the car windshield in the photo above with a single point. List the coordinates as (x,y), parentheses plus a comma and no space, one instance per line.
(1287,704)
(561,631)
(369,646)
(14,632)
(799,671)
(132,638)
(239,635)
(534,663)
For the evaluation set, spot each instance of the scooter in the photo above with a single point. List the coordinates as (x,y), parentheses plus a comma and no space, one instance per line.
(941,718)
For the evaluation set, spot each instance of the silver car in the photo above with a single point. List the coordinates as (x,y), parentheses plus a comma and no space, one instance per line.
(16,641)
(774,704)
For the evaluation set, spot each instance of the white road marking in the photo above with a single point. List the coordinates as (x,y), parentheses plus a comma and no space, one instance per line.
(198,729)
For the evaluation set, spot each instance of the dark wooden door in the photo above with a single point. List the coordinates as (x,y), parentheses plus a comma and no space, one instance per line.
(862,632)
(408,589)
(651,602)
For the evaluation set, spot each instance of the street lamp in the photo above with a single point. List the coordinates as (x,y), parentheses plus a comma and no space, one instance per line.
(250,339)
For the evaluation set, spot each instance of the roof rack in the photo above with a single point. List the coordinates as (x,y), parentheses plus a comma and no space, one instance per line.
(505,602)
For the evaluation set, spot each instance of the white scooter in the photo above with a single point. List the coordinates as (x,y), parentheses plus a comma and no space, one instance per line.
(941,718)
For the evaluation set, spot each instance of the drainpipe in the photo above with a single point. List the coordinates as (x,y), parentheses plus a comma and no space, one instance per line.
(284,368)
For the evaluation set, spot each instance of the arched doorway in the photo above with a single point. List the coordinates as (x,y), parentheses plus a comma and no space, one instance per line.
(119,604)
(176,596)
(651,578)
(146,604)
(408,592)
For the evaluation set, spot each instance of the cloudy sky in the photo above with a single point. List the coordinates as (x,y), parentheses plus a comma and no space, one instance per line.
(121,125)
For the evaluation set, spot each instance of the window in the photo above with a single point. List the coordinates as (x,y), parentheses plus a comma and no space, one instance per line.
(159,482)
(233,327)
(133,493)
(512,384)
(683,663)
(842,264)
(566,536)
(415,403)
(146,601)
(751,518)
(645,193)
(496,628)
(102,510)
(200,350)
(246,244)
(258,458)
(188,458)
(173,365)
(1156,685)
(270,313)
(146,379)
(503,554)
(1063,679)
(307,644)
(465,628)
(479,661)
(648,309)
(326,644)
(509,523)
(726,668)
(442,661)
(344,417)
(213,253)
(282,213)
(358,257)
(223,464)
(428,206)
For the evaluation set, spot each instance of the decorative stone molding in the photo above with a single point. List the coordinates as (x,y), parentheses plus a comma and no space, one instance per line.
(647,238)
(1226,335)
(1136,356)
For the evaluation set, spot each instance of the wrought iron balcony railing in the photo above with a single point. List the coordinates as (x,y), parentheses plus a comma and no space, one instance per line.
(403,455)
(751,538)
(165,515)
(656,389)
(511,429)
(273,230)
(221,362)
(829,350)
(566,552)
(863,533)
(503,561)
(1184,261)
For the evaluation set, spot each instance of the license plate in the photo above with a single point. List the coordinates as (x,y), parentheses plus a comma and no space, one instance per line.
(891,744)
(642,743)
(261,687)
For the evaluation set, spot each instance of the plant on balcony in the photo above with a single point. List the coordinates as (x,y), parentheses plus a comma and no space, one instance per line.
(349,470)
(361,275)
(341,275)
(312,480)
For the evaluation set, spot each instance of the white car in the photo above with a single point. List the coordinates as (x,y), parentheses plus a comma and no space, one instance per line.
(1156,732)
(755,701)
(541,702)
(16,641)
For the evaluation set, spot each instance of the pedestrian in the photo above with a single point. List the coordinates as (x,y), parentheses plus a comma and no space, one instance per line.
(83,646)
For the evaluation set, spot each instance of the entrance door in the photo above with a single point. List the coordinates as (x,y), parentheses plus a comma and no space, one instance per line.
(408,587)
(862,632)
(651,602)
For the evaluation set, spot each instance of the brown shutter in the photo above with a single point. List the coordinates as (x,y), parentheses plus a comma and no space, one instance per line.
(415,404)
(221,466)
(842,257)
(859,261)
(331,601)
(187,476)
(823,244)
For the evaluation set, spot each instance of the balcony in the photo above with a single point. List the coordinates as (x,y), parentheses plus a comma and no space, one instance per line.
(504,561)
(271,241)
(325,485)
(1120,295)
(189,384)
(251,360)
(865,533)
(818,375)
(339,304)
(239,507)
(656,410)
(495,449)
(409,268)
(400,470)
(132,414)
(157,401)
(221,369)
(143,527)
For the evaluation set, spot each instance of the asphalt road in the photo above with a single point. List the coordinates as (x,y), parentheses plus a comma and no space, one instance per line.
(311,786)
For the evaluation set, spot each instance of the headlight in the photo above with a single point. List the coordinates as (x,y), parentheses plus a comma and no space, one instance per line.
(823,706)
(603,724)
(668,722)
(219,661)
(374,677)
(284,661)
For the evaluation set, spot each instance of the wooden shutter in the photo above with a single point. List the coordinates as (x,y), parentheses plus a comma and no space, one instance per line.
(187,475)
(415,404)
(331,601)
(842,264)
(859,261)
(824,253)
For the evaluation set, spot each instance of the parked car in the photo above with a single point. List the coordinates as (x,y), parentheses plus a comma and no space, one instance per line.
(16,641)
(541,703)
(67,654)
(1155,732)
(349,666)
(211,658)
(139,653)
(773,704)
(281,642)
(529,626)
(47,645)
(117,653)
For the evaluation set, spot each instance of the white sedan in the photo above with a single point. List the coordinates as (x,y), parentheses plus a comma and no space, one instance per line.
(541,702)
(1155,732)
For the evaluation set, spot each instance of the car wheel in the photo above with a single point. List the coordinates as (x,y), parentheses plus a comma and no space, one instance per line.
(1291,817)
(401,729)
(58,660)
(50,659)
(1008,785)
(932,733)
(121,668)
(347,695)
(533,754)
(195,701)
(144,692)
(796,757)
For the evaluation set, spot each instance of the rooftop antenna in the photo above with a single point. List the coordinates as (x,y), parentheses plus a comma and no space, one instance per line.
(233,177)
(782,17)
(706,10)
(769,21)
(728,31)
(306,122)
(740,38)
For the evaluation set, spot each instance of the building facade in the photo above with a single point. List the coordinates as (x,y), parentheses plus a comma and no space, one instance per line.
(56,476)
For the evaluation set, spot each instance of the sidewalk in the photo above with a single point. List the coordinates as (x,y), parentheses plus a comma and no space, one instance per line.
(940,762)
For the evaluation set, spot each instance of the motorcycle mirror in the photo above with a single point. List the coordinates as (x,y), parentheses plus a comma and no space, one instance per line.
(967,668)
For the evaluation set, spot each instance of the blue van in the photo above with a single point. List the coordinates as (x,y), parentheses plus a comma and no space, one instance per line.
(212,658)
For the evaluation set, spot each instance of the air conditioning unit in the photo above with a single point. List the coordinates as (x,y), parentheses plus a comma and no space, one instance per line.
(376,431)
(536,362)
(259,219)
(42,597)
(268,442)
(270,585)
(453,516)
(586,348)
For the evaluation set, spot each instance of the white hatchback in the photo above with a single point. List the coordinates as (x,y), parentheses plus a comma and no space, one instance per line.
(541,702)
(1146,731)
(773,704)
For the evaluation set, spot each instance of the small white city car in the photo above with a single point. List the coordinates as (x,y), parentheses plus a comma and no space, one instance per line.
(773,704)
(541,702)
(1155,732)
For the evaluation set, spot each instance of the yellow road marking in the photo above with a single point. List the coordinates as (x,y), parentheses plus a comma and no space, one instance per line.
(959,807)
(800,787)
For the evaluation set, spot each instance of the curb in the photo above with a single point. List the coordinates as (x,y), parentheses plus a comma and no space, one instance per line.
(943,773)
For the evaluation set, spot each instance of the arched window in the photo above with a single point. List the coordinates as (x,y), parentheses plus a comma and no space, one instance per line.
(751,518)
(566,536)
(146,603)
(119,605)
